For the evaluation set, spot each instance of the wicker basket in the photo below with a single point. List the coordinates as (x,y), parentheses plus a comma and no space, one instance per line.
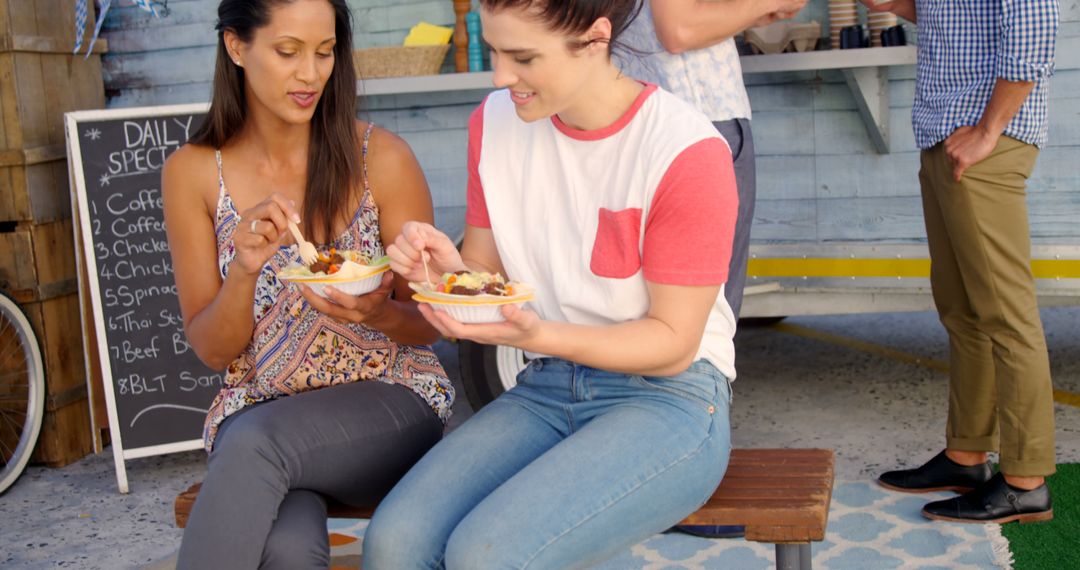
(371,63)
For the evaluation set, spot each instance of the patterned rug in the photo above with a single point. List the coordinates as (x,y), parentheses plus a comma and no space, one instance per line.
(868,528)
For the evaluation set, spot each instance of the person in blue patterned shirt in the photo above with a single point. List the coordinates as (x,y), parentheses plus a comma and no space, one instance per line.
(983,76)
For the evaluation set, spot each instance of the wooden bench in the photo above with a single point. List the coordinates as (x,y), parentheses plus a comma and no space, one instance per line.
(781,496)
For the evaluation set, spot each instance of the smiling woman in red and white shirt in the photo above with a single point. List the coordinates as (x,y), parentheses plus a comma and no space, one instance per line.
(616,201)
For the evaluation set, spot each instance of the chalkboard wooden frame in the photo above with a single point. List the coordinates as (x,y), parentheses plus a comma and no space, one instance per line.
(89,281)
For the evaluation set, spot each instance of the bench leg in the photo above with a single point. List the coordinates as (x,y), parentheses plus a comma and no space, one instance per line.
(793,556)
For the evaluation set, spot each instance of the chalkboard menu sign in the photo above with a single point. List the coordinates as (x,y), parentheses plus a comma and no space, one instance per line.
(157,391)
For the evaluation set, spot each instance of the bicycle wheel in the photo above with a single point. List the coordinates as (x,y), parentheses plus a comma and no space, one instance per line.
(22,391)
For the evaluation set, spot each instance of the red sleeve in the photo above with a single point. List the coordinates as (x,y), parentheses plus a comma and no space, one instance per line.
(691,223)
(476,212)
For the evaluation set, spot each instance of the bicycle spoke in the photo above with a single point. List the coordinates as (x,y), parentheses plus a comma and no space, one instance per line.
(17,427)
(14,435)
(22,370)
(14,430)
(9,362)
(18,370)
(12,343)
(7,351)
(21,413)
(14,393)
(16,374)
(8,450)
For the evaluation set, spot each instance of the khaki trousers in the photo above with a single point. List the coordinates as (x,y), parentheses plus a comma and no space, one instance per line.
(1000,393)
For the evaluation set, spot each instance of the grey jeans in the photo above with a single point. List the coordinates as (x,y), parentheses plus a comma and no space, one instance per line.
(741,140)
(262,502)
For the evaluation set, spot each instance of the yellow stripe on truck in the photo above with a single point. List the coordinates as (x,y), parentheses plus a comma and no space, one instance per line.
(877,267)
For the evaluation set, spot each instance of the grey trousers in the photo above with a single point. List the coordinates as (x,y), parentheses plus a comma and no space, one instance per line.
(741,139)
(262,502)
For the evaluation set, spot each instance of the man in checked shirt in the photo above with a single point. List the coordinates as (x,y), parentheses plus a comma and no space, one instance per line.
(983,74)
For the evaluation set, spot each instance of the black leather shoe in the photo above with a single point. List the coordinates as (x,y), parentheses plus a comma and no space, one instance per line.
(994,502)
(938,474)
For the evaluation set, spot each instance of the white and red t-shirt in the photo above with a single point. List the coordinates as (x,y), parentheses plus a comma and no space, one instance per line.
(587,217)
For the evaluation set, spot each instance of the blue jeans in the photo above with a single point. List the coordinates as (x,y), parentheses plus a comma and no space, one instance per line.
(563,471)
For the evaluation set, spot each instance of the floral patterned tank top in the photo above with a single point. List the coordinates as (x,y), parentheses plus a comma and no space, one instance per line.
(295,348)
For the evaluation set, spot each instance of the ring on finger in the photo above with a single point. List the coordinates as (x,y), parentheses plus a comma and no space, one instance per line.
(253,227)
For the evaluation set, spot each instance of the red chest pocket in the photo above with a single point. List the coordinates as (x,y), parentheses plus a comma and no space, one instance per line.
(615,252)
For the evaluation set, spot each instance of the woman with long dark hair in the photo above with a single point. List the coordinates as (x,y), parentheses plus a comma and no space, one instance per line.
(617,202)
(321,398)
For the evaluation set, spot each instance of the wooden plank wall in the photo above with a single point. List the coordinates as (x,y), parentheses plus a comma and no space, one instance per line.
(819,179)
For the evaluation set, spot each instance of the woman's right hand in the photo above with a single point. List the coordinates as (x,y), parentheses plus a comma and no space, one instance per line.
(878,5)
(261,230)
(904,8)
(780,10)
(416,237)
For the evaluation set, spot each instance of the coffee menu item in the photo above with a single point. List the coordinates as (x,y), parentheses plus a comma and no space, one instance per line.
(157,391)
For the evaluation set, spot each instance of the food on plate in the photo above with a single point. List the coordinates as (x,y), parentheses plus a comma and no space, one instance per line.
(474,283)
(350,272)
(335,265)
(472,296)
(328,263)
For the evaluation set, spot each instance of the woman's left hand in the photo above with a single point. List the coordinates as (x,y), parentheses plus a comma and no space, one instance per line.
(343,308)
(518,329)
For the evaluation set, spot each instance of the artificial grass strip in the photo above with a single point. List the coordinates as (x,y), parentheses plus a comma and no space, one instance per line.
(1053,544)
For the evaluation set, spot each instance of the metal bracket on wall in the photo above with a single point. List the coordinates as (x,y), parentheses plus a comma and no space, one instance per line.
(870,88)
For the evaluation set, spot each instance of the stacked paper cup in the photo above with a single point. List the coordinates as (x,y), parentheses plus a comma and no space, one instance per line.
(841,15)
(879,21)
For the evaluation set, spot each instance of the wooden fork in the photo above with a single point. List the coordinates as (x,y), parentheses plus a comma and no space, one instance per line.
(305,249)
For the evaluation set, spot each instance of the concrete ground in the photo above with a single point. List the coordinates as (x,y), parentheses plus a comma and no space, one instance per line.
(869,386)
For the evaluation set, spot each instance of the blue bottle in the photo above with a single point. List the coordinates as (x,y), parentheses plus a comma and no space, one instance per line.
(476,47)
